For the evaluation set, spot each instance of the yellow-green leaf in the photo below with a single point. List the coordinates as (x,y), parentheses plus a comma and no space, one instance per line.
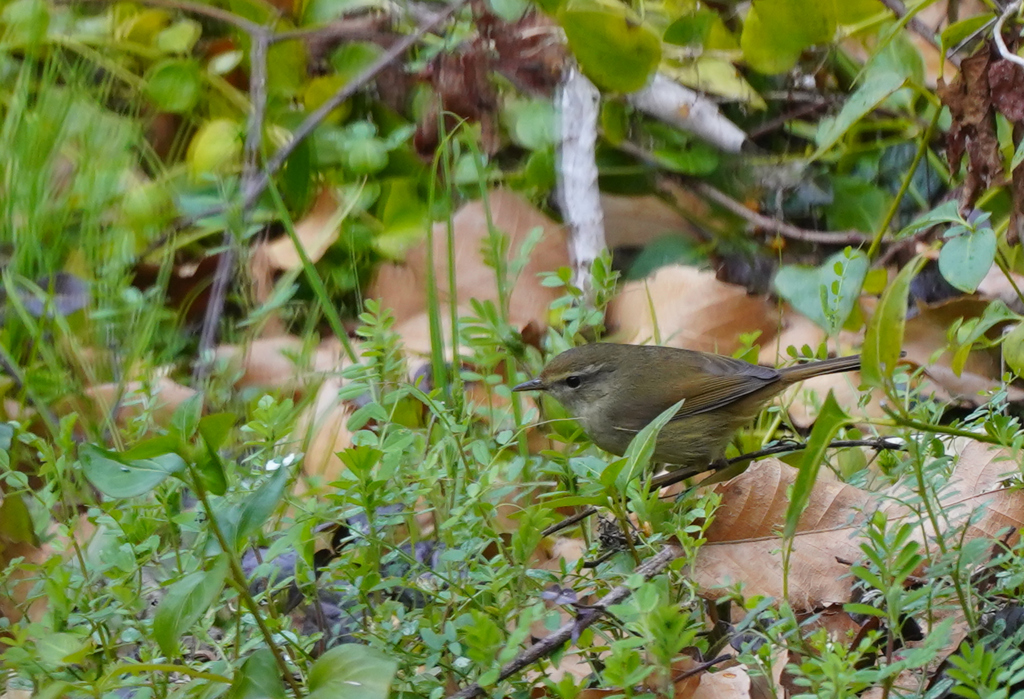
(615,50)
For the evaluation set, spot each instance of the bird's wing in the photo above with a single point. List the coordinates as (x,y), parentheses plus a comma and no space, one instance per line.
(723,381)
(710,382)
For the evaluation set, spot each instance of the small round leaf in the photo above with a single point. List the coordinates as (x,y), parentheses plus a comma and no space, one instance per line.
(174,85)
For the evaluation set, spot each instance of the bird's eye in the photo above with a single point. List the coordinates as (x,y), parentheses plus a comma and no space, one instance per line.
(573,381)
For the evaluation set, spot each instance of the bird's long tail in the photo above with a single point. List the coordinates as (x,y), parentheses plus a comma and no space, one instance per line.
(837,365)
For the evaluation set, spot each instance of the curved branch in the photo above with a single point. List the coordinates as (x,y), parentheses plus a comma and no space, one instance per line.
(571,630)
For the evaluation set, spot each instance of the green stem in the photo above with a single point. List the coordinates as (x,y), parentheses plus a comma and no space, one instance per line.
(922,148)
(240,583)
(899,421)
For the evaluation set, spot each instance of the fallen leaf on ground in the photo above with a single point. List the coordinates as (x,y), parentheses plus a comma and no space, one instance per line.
(637,221)
(925,344)
(317,231)
(689,308)
(744,547)
(403,287)
(731,683)
(325,425)
(275,362)
(160,398)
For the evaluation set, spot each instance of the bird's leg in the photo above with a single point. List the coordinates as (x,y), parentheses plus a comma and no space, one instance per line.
(718,464)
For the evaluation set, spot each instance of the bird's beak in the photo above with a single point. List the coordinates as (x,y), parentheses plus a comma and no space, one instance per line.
(531,385)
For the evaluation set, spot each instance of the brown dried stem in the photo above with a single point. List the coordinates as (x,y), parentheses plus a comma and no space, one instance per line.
(587,616)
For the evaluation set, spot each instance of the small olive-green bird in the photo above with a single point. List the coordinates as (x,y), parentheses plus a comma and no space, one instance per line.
(614,391)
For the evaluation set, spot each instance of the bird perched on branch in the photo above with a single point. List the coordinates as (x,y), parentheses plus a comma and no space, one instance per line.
(614,391)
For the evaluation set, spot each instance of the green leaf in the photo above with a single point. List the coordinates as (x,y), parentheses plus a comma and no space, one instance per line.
(216,148)
(691,28)
(530,122)
(965,259)
(614,48)
(775,32)
(185,602)
(857,204)
(56,650)
(26,23)
(958,31)
(695,158)
(865,99)
(215,428)
(946,212)
(185,420)
(117,477)
(641,449)
(180,37)
(884,336)
(1013,349)
(286,68)
(149,448)
(174,85)
(258,678)
(668,249)
(352,671)
(829,421)
(211,470)
(827,294)
(258,507)
(353,57)
(16,521)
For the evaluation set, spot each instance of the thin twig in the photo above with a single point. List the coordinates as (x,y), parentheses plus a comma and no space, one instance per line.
(673,477)
(256,188)
(918,27)
(997,34)
(350,29)
(572,629)
(697,669)
(318,115)
(250,173)
(786,230)
(781,120)
(757,220)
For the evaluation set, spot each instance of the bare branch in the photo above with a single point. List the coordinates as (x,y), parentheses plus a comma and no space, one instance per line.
(586,617)
(786,230)
(250,172)
(578,193)
(673,477)
(318,115)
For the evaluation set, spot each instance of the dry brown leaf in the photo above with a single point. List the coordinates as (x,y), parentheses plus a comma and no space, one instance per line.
(19,582)
(402,288)
(325,423)
(261,275)
(264,363)
(636,221)
(925,342)
(317,231)
(732,683)
(995,285)
(691,309)
(161,396)
(743,543)
(744,547)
